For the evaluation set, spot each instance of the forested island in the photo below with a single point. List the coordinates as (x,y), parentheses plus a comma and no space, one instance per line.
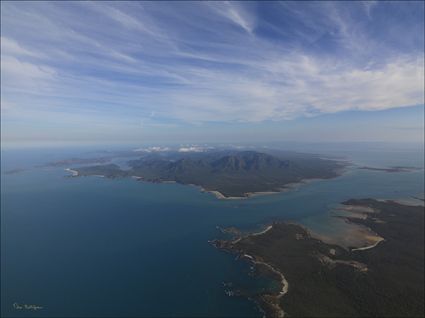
(325,280)
(227,174)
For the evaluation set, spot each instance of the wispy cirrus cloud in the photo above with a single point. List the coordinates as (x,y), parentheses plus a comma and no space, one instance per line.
(11,48)
(209,61)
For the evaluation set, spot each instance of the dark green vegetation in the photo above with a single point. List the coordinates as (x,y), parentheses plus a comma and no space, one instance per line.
(109,171)
(106,156)
(230,173)
(326,280)
(13,171)
(74,161)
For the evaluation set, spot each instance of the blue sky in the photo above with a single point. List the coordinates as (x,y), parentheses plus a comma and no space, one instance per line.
(201,71)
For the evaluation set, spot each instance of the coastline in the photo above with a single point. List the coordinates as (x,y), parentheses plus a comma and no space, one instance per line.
(309,255)
(73,172)
(293,186)
(368,247)
(272,301)
(355,235)
(290,186)
(268,228)
(138,178)
(286,188)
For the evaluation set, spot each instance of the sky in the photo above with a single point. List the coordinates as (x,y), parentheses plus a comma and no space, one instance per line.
(99,72)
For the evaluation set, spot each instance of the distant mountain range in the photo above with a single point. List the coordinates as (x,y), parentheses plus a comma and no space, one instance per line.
(231,173)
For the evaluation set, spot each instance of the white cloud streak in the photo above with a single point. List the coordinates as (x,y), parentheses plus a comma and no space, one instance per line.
(185,66)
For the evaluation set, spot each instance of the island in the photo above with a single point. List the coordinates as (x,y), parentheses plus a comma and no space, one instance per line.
(391,169)
(227,174)
(72,161)
(318,279)
(14,171)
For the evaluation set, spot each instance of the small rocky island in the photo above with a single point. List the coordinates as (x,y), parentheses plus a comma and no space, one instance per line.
(391,169)
(325,280)
(227,174)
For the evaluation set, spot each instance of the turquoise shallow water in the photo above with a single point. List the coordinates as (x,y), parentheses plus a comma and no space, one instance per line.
(98,247)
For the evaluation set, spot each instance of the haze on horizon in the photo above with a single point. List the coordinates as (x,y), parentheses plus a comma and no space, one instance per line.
(79,72)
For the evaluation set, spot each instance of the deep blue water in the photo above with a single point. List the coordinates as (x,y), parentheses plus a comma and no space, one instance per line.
(92,246)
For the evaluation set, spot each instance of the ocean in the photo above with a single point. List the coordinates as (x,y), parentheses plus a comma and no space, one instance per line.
(98,247)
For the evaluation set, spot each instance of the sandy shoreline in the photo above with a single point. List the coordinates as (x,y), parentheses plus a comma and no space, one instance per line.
(283,282)
(286,188)
(268,228)
(74,172)
(379,240)
(353,236)
(271,300)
